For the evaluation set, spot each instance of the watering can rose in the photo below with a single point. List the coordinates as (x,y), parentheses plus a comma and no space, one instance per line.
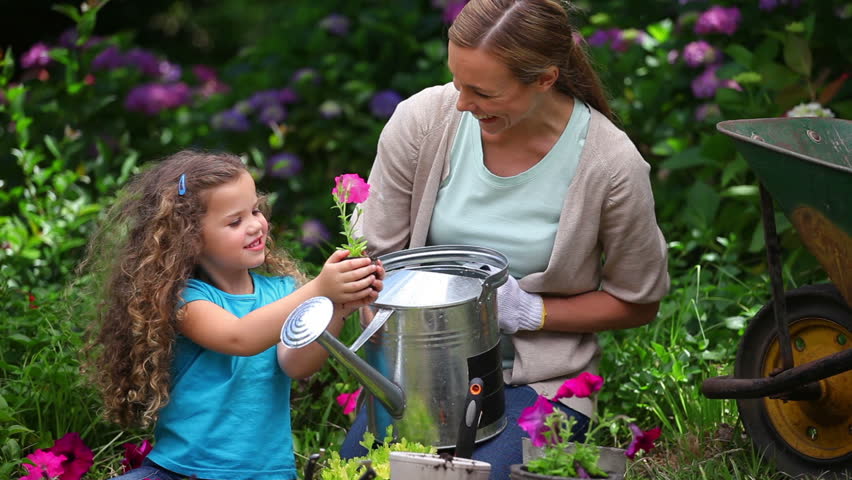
(350,188)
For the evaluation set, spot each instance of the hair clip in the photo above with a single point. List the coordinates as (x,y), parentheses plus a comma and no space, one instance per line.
(182,184)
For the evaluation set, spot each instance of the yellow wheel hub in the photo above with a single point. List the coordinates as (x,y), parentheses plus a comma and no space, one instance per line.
(821,428)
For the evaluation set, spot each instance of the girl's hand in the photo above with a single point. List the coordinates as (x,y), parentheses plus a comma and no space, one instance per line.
(349,280)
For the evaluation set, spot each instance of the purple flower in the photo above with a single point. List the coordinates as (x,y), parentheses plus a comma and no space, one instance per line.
(335,24)
(602,37)
(330,109)
(232,120)
(314,233)
(718,20)
(699,53)
(109,59)
(769,5)
(283,165)
(452,10)
(706,84)
(69,38)
(287,96)
(37,56)
(264,98)
(152,98)
(384,103)
(272,114)
(145,61)
(532,420)
(169,72)
(204,73)
(305,74)
(672,57)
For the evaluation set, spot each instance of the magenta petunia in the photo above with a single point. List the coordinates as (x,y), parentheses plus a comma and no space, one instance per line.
(642,440)
(134,454)
(44,464)
(349,400)
(532,420)
(350,188)
(580,386)
(78,457)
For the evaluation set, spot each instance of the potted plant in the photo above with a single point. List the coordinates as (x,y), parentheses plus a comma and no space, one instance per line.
(549,454)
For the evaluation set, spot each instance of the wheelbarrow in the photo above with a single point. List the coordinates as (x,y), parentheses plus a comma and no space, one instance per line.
(793,372)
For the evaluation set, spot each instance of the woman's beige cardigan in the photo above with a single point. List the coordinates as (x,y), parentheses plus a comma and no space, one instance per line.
(608,214)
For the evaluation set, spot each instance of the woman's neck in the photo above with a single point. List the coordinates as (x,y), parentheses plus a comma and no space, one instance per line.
(545,122)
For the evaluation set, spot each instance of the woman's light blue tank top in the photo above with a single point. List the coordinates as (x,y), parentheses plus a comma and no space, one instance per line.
(518,215)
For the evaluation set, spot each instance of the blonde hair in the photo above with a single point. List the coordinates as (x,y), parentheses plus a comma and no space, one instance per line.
(529,36)
(141,256)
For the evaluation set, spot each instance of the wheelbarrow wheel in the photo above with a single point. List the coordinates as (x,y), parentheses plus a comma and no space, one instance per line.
(804,437)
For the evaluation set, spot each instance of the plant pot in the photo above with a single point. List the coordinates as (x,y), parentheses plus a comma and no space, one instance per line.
(429,466)
(519,472)
(612,459)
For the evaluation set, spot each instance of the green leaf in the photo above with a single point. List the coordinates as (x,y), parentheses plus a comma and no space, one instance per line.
(688,158)
(740,54)
(797,54)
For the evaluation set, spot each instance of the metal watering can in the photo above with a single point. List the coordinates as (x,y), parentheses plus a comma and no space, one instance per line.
(432,365)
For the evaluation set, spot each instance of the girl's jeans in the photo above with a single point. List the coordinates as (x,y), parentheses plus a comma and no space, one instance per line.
(150,471)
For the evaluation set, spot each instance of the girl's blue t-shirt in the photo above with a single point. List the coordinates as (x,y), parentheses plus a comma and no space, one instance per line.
(228,416)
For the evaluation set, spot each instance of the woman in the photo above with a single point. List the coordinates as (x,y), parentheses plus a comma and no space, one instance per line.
(519,154)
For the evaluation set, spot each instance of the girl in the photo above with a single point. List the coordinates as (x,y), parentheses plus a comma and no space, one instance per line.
(186,329)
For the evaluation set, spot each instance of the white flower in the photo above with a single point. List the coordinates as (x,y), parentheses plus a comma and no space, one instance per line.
(812,109)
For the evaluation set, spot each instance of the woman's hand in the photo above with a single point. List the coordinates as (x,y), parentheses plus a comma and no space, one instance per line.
(517,309)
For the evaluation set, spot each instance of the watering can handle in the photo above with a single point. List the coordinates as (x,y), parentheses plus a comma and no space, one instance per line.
(378,321)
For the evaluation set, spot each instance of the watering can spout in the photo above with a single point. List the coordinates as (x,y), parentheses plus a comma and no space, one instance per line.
(308,322)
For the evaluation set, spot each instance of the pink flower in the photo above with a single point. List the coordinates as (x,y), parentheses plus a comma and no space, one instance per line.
(37,56)
(706,84)
(532,420)
(134,454)
(718,20)
(47,464)
(350,188)
(641,440)
(699,53)
(581,386)
(78,457)
(349,401)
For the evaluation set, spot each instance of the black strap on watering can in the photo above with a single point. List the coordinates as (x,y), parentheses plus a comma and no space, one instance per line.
(470,419)
(488,366)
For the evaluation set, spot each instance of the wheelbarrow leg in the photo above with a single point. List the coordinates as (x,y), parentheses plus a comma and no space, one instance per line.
(773,260)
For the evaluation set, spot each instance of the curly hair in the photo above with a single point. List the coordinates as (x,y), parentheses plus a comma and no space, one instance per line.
(142,255)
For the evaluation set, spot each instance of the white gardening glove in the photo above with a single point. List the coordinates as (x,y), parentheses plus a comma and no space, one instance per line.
(517,309)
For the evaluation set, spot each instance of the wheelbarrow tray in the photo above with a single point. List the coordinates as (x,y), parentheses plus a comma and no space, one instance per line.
(806,165)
